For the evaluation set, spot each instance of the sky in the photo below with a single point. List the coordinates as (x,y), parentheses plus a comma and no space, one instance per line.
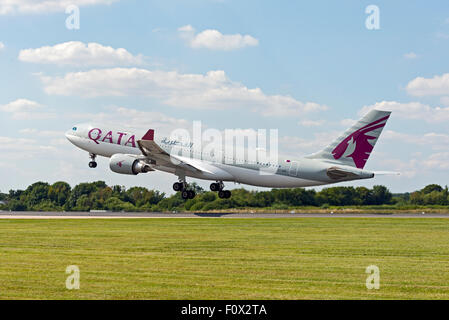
(306,68)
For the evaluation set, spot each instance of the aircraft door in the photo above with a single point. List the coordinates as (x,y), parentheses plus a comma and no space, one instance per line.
(293,171)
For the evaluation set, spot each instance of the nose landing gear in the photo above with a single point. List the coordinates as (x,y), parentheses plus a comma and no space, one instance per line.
(93,163)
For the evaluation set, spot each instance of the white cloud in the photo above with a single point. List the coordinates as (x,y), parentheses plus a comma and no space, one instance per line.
(312,123)
(411,110)
(10,144)
(436,141)
(2,46)
(23,109)
(441,35)
(436,86)
(214,90)
(79,54)
(410,56)
(187,28)
(445,101)
(348,122)
(41,133)
(20,105)
(438,160)
(44,6)
(122,117)
(215,40)
(408,169)
(296,146)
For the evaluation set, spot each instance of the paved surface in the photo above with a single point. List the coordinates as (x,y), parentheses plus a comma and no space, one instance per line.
(121,215)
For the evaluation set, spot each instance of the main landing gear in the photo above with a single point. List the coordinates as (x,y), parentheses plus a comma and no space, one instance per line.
(185,192)
(219,186)
(93,163)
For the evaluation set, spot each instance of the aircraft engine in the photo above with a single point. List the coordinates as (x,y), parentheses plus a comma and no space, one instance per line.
(126,164)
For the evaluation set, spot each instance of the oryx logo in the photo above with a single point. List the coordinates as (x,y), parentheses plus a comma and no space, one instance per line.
(120,164)
(357,145)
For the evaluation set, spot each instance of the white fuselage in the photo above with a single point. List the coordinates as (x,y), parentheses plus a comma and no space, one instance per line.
(285,173)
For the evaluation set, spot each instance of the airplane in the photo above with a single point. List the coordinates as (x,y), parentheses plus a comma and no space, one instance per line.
(342,160)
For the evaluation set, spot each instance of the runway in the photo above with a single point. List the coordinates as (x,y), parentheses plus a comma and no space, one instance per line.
(137,215)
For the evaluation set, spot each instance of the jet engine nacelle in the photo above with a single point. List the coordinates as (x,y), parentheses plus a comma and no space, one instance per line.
(125,164)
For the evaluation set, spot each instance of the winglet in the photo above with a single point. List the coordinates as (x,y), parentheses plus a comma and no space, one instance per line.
(149,135)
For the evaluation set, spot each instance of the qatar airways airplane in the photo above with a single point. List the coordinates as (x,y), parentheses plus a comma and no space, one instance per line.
(132,154)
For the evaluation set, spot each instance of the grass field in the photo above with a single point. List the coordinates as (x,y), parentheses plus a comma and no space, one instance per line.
(302,258)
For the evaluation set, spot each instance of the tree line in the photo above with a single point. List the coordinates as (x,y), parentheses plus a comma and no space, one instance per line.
(60,196)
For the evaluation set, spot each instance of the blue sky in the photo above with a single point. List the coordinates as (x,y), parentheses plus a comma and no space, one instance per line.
(305,68)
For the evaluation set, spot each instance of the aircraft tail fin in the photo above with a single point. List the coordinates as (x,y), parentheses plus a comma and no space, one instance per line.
(355,145)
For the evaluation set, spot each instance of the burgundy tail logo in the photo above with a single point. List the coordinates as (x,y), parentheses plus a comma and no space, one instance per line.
(357,145)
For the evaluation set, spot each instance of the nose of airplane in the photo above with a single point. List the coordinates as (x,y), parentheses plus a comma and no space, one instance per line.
(70,134)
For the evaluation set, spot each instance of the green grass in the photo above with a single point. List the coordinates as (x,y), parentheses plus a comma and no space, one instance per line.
(302,258)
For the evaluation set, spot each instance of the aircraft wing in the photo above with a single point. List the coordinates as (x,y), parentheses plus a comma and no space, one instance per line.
(153,151)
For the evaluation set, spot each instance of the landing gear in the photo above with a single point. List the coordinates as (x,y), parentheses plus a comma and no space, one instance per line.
(219,186)
(188,194)
(179,186)
(216,186)
(93,163)
(224,194)
(183,187)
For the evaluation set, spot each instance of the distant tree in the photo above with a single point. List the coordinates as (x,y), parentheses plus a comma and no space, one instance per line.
(337,196)
(364,196)
(435,198)
(97,195)
(36,193)
(294,197)
(15,194)
(140,196)
(83,203)
(59,192)
(80,190)
(115,204)
(381,195)
(195,187)
(47,205)
(171,203)
(209,197)
(431,188)
(416,198)
(16,205)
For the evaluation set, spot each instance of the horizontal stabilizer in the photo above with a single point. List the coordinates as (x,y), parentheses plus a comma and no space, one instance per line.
(386,173)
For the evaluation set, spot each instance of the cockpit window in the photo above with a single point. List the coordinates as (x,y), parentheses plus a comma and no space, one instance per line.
(74,128)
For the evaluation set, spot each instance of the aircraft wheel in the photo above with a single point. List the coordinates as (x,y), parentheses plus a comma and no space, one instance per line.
(221,194)
(178,186)
(185,194)
(227,194)
(192,194)
(215,187)
(92,164)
